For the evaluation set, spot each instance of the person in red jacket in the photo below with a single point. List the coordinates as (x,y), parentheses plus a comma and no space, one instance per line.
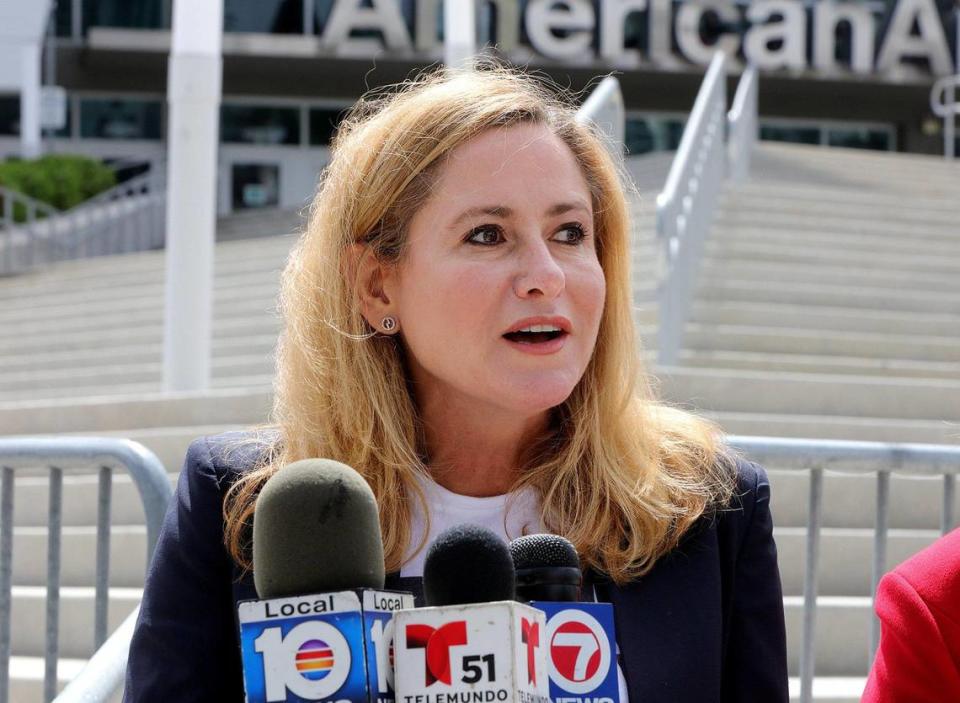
(918,604)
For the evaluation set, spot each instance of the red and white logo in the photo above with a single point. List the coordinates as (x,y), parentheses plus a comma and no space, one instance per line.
(437,641)
(579,651)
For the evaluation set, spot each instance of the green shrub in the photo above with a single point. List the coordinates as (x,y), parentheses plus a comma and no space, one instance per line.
(61,180)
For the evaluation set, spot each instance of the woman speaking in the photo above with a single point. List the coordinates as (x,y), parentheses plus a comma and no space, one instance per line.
(458,328)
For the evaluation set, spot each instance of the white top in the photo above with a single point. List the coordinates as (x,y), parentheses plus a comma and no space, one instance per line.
(509,516)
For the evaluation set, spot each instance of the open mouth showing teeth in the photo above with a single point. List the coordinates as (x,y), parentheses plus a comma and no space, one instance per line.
(535,335)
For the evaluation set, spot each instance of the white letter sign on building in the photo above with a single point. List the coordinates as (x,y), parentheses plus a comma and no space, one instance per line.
(692,46)
(827,14)
(576,17)
(789,31)
(930,43)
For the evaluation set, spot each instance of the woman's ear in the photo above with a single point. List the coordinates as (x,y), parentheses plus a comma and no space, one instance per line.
(370,277)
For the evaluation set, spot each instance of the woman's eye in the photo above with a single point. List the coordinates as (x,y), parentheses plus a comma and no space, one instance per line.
(571,234)
(486,235)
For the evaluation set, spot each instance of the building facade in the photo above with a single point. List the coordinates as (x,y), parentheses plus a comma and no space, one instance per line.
(854,73)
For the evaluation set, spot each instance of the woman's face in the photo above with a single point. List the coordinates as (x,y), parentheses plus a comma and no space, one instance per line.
(500,292)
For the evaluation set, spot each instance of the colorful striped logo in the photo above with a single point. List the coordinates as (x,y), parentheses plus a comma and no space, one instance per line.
(314,660)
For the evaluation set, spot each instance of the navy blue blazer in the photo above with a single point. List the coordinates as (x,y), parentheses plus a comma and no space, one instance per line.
(705,624)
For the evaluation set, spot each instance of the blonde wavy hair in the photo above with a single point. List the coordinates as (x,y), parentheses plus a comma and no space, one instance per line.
(621,475)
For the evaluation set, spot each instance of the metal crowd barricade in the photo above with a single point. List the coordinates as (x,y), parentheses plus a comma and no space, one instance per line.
(882,459)
(76,454)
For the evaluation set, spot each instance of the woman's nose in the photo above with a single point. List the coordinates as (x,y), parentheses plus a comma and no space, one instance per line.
(538,273)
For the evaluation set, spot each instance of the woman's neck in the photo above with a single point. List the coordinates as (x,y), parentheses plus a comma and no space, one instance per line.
(475,451)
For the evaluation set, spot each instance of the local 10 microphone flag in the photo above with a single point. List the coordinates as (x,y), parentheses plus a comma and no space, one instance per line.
(474,653)
(581,648)
(330,647)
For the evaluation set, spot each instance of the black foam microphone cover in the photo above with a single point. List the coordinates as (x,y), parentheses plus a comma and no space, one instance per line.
(547,567)
(468,564)
(316,529)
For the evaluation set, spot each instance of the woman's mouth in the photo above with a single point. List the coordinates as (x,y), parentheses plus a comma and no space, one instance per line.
(538,339)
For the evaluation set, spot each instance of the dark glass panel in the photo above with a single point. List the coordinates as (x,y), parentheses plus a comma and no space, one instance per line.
(120,119)
(64,18)
(265,16)
(859,139)
(797,135)
(131,14)
(243,124)
(10,117)
(255,186)
(323,124)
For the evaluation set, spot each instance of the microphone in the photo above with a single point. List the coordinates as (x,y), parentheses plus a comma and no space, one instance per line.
(473,641)
(322,627)
(580,639)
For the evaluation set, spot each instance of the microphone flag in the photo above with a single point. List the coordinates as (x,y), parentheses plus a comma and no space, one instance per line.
(580,646)
(331,647)
(483,652)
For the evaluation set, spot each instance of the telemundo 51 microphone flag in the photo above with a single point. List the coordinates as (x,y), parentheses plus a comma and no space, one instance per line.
(581,647)
(475,653)
(329,647)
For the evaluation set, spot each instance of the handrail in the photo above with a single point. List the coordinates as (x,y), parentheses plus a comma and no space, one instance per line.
(864,457)
(604,107)
(127,217)
(945,103)
(742,126)
(686,205)
(59,455)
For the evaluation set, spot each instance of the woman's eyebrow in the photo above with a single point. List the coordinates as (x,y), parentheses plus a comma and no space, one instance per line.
(504,212)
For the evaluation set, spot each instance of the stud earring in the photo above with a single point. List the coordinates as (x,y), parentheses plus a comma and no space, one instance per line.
(389,323)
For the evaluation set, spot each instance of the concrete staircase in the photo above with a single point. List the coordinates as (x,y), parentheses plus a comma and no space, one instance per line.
(828,307)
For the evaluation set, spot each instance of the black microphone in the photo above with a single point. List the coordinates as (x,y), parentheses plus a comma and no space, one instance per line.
(580,641)
(323,628)
(467,564)
(547,568)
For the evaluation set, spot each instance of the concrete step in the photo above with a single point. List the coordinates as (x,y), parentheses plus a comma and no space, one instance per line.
(701,337)
(867,429)
(811,394)
(254,324)
(128,556)
(149,410)
(875,298)
(926,227)
(124,296)
(910,210)
(77,607)
(825,318)
(849,500)
(826,240)
(125,309)
(831,689)
(846,557)
(126,354)
(732,249)
(123,391)
(842,635)
(820,363)
(869,276)
(97,272)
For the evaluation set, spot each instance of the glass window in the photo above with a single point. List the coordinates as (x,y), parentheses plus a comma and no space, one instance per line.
(255,186)
(247,124)
(64,18)
(131,14)
(797,135)
(10,117)
(268,16)
(323,124)
(647,134)
(120,119)
(860,138)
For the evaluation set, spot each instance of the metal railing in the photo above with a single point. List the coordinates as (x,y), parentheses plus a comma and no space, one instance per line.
(816,456)
(57,455)
(742,126)
(689,199)
(945,103)
(686,205)
(128,217)
(604,107)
